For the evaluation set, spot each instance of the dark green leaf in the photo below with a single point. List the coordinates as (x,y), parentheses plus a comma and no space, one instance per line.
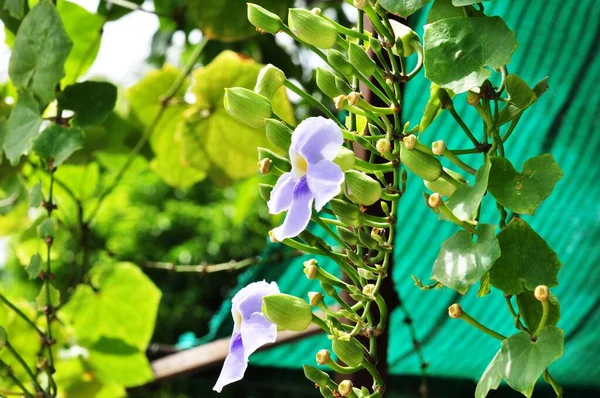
(58,143)
(531,310)
(541,87)
(40,50)
(91,102)
(462,262)
(42,298)
(47,228)
(526,261)
(34,267)
(458,51)
(465,201)
(523,361)
(10,23)
(35,195)
(404,8)
(16,8)
(443,9)
(490,379)
(523,192)
(113,11)
(22,127)
(520,97)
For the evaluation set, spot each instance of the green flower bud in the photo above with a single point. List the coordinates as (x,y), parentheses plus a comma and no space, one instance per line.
(541,87)
(326,83)
(423,165)
(264,166)
(404,36)
(278,133)
(269,80)
(287,312)
(351,352)
(315,375)
(278,161)
(3,338)
(312,29)
(342,86)
(315,298)
(347,213)
(265,21)
(345,159)
(438,147)
(444,185)
(345,388)
(323,357)
(361,60)
(366,274)
(541,293)
(264,191)
(360,188)
(375,44)
(347,236)
(367,240)
(385,208)
(339,61)
(383,146)
(247,107)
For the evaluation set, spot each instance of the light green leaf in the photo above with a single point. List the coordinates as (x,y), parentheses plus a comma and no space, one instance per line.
(34,267)
(432,109)
(520,97)
(530,309)
(462,3)
(523,192)
(490,379)
(458,51)
(541,87)
(16,8)
(227,20)
(35,195)
(113,360)
(42,298)
(526,261)
(22,127)
(484,285)
(58,143)
(91,102)
(123,306)
(523,361)
(47,228)
(40,50)
(82,180)
(465,201)
(462,262)
(443,9)
(404,8)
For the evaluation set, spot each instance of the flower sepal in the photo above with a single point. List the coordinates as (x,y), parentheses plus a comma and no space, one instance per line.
(269,80)
(360,188)
(350,351)
(361,60)
(315,375)
(346,212)
(312,28)
(278,161)
(345,159)
(287,312)
(247,107)
(265,21)
(278,133)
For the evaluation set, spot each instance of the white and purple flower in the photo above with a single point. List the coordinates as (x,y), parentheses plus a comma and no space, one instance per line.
(251,330)
(314,176)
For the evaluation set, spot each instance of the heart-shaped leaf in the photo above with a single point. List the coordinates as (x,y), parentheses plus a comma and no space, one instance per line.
(461,262)
(465,201)
(530,309)
(443,9)
(523,192)
(34,267)
(403,8)
(58,143)
(520,97)
(490,379)
(526,260)
(458,51)
(522,361)
(91,102)
(22,127)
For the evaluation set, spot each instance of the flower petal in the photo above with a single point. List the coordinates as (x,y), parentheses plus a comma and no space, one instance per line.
(298,215)
(324,180)
(249,300)
(256,332)
(281,195)
(317,138)
(235,364)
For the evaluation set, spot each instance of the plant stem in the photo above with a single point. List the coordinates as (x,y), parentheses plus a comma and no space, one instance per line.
(20,359)
(20,314)
(471,321)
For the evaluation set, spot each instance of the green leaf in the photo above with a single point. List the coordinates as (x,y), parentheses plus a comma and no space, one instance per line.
(404,8)
(523,361)
(34,267)
(462,262)
(47,228)
(42,298)
(458,51)
(58,143)
(484,285)
(35,195)
(461,3)
(523,192)
(541,87)
(122,306)
(22,127)
(520,97)
(443,9)
(113,12)
(530,309)
(40,50)
(91,102)
(227,20)
(526,261)
(490,379)
(16,8)
(465,201)
(432,109)
(113,360)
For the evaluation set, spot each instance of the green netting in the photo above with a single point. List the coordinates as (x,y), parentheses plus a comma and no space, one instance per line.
(559,39)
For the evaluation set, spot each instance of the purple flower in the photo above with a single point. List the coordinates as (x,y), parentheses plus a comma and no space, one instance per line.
(314,176)
(251,330)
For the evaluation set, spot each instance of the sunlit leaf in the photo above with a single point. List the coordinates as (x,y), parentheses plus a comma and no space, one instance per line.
(113,360)
(22,127)
(530,309)
(49,296)
(35,195)
(465,201)
(520,98)
(490,379)
(16,8)
(58,143)
(47,228)
(34,267)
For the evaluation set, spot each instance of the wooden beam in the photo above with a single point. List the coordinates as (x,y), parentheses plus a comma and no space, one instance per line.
(212,354)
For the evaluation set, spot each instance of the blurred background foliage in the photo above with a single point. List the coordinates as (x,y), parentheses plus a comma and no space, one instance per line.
(189,198)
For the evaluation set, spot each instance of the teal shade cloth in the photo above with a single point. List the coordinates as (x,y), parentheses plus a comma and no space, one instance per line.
(559,39)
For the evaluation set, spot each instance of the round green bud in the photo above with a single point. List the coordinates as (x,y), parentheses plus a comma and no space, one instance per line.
(351,352)
(410,141)
(345,159)
(473,98)
(345,388)
(269,80)
(405,37)
(265,21)
(360,188)
(315,375)
(327,84)
(247,107)
(287,312)
(339,61)
(312,29)
(361,60)
(278,133)
(423,165)
(368,289)
(310,271)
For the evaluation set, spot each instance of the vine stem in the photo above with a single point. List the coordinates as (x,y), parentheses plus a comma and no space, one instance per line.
(20,359)
(473,322)
(164,103)
(20,314)
(20,385)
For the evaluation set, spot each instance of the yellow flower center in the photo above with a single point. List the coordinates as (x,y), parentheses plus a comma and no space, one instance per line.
(299,164)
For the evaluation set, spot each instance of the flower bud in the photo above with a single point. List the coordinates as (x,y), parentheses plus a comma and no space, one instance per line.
(541,293)
(278,133)
(351,352)
(375,44)
(366,274)
(435,200)
(339,101)
(345,159)
(444,185)
(473,98)
(312,29)
(410,141)
(383,146)
(353,98)
(368,289)
(265,21)
(361,60)
(455,311)
(312,261)
(367,240)
(342,86)
(404,36)
(438,147)
(423,165)
(278,161)
(338,60)
(264,166)
(360,4)
(3,338)
(247,107)
(315,375)
(326,83)
(315,298)
(347,236)
(287,312)
(264,191)
(310,271)
(360,188)
(346,212)
(269,80)
(345,388)
(323,357)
